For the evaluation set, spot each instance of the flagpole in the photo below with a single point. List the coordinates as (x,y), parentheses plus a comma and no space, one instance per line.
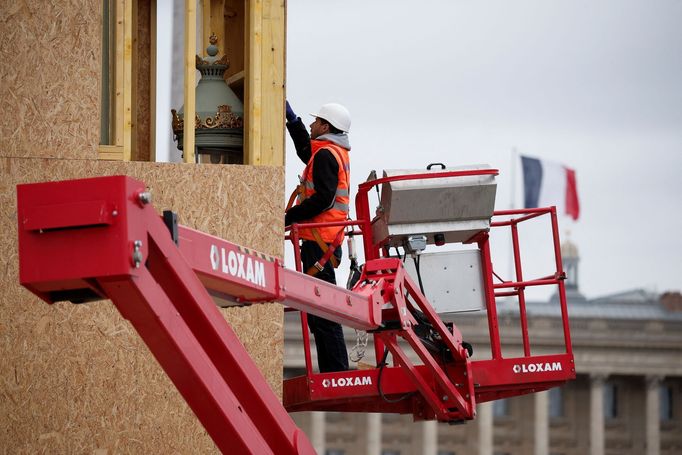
(512,196)
(512,200)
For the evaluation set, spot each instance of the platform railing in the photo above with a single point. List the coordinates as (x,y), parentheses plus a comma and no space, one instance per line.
(517,288)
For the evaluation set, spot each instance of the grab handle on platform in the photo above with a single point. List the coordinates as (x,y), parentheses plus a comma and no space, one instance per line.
(68,216)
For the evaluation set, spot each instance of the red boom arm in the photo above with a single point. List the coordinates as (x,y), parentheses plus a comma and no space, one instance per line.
(100,238)
(97,238)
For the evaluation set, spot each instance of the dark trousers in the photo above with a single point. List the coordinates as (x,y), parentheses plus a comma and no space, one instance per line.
(331,346)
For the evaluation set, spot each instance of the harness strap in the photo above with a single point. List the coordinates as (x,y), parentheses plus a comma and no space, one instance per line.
(298,191)
(327,249)
(328,252)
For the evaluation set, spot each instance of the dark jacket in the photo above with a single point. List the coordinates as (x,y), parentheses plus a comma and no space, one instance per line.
(325,173)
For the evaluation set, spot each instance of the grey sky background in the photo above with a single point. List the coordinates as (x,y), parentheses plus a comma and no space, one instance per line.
(596,86)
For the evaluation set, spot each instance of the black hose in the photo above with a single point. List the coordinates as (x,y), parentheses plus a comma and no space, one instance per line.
(417,260)
(381,365)
(354,275)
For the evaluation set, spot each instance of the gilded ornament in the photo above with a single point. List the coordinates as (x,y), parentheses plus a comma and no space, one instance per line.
(224,118)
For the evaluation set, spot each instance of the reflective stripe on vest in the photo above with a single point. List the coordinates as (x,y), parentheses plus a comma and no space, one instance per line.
(341,206)
(338,210)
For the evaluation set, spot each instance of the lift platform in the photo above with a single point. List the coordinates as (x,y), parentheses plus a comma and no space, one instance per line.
(435,207)
(101,238)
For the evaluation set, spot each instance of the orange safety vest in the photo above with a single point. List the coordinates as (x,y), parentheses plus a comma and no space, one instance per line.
(339,209)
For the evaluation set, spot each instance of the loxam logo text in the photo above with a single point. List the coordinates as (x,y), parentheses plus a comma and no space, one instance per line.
(346,382)
(537,367)
(238,265)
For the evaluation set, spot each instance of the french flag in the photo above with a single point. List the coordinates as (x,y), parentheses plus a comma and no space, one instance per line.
(547,183)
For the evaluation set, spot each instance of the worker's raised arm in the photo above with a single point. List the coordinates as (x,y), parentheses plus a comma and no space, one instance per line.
(298,134)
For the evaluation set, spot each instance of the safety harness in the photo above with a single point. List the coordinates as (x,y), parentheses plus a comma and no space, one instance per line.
(328,249)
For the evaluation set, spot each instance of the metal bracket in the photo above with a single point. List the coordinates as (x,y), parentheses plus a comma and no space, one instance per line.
(170,219)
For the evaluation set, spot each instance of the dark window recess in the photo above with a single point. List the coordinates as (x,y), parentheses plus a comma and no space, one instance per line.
(666,403)
(501,408)
(556,403)
(610,400)
(108,71)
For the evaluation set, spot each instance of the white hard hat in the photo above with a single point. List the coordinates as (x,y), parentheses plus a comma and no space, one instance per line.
(335,114)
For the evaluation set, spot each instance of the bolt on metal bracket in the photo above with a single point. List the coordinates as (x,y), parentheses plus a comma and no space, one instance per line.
(145,197)
(137,253)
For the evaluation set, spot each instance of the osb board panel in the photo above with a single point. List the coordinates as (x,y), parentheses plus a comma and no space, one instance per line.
(143,64)
(77,378)
(50,55)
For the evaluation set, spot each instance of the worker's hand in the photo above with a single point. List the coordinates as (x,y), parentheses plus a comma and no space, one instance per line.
(291,116)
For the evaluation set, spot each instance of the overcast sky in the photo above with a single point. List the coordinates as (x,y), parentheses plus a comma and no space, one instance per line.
(594,85)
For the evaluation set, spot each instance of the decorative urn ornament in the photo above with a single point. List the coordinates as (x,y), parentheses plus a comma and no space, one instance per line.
(219,119)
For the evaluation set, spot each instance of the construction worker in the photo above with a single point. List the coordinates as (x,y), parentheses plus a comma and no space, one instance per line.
(323,196)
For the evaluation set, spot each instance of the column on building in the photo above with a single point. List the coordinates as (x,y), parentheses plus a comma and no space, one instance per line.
(485,428)
(425,437)
(317,431)
(373,433)
(541,427)
(368,433)
(653,431)
(597,414)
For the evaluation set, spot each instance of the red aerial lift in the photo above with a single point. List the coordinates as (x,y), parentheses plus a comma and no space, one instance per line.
(101,238)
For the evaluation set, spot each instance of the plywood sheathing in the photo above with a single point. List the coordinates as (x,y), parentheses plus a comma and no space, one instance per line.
(50,55)
(77,378)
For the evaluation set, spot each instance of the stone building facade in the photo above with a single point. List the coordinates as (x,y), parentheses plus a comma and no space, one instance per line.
(626,399)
